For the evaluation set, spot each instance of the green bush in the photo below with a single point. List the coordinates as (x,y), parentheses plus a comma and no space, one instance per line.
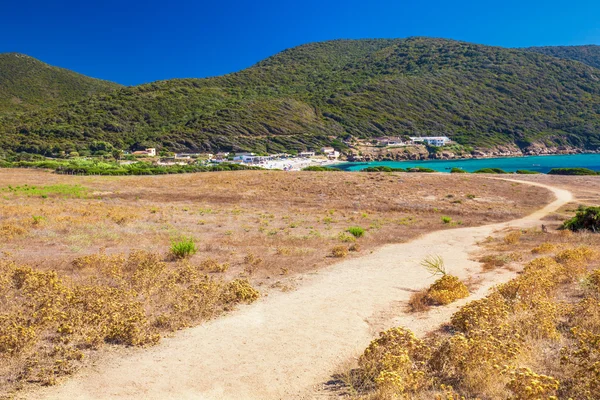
(446,219)
(526,172)
(183,248)
(572,171)
(421,169)
(356,231)
(586,219)
(383,168)
(457,171)
(490,171)
(320,169)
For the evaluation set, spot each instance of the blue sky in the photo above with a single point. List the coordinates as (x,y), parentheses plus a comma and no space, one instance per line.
(133,42)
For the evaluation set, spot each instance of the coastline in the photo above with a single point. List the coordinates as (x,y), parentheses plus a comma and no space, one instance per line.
(539,163)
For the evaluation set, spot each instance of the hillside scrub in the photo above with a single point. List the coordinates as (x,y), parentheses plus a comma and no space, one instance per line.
(320,93)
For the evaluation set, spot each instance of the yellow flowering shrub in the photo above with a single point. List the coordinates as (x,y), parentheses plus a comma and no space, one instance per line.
(446,290)
(485,313)
(525,384)
(395,362)
(512,237)
(593,282)
(575,260)
(544,248)
(475,357)
(47,321)
(583,356)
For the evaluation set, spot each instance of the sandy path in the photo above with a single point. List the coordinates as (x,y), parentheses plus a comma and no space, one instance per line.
(283,345)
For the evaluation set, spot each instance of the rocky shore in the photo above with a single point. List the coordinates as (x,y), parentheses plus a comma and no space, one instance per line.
(419,152)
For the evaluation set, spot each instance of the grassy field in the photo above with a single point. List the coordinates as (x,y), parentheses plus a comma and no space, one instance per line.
(94,261)
(534,337)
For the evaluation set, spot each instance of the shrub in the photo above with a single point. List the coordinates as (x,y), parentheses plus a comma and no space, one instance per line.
(395,361)
(490,171)
(240,290)
(421,169)
(544,248)
(512,237)
(587,219)
(457,171)
(527,385)
(339,251)
(356,231)
(446,219)
(418,301)
(315,168)
(527,172)
(572,171)
(183,248)
(446,290)
(382,169)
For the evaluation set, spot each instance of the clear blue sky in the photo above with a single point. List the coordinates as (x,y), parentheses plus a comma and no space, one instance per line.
(133,42)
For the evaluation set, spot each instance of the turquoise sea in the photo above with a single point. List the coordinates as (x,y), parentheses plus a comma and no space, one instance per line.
(509,164)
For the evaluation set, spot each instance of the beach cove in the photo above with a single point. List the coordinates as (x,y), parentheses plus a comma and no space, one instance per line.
(541,164)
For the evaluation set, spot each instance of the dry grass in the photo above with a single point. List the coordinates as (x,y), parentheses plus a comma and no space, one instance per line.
(86,258)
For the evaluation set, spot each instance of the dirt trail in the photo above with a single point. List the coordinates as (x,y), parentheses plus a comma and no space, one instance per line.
(285,344)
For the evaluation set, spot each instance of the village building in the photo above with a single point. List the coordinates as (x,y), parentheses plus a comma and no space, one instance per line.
(389,141)
(306,154)
(333,155)
(437,141)
(149,152)
(327,150)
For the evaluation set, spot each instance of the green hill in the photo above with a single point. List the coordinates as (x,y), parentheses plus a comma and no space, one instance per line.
(316,93)
(26,83)
(589,54)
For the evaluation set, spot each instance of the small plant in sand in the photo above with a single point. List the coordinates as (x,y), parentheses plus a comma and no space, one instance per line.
(512,237)
(356,231)
(339,251)
(446,220)
(434,265)
(183,248)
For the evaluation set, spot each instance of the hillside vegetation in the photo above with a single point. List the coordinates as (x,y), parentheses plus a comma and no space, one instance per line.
(316,93)
(26,83)
(589,54)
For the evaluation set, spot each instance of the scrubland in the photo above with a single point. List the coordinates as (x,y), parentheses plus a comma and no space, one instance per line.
(89,263)
(534,337)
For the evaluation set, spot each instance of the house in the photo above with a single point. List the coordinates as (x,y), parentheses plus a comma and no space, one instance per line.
(327,150)
(149,152)
(221,156)
(389,141)
(437,141)
(334,155)
(306,154)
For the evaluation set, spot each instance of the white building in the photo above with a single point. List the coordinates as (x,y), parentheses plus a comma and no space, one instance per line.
(437,141)
(327,150)
(306,154)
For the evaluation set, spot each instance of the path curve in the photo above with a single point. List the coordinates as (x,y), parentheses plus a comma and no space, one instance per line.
(281,346)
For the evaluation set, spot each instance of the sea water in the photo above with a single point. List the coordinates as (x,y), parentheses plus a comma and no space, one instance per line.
(541,164)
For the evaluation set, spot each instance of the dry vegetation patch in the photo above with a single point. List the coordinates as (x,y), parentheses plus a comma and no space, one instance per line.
(86,259)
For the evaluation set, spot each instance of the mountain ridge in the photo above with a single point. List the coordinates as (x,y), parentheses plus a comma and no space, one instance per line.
(319,93)
(27,83)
